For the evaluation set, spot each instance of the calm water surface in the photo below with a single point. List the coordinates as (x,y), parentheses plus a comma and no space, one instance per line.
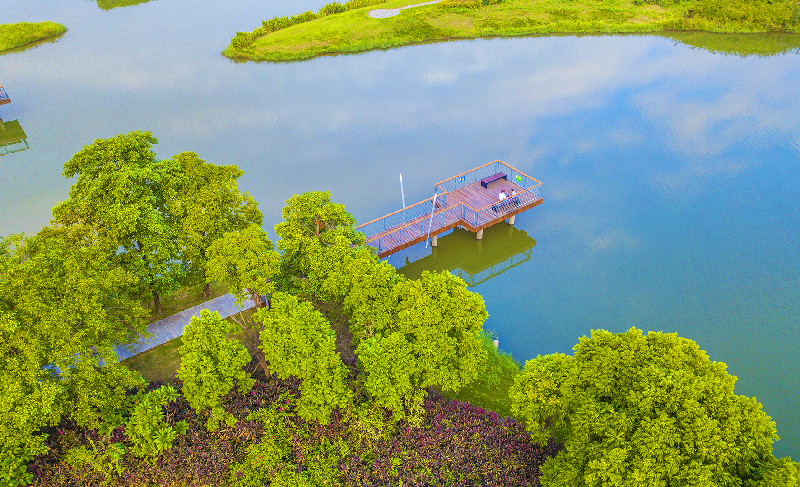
(671,175)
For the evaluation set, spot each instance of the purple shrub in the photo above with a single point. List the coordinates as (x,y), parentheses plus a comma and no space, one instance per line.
(456,444)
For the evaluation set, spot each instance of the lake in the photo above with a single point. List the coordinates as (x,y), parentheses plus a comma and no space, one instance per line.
(671,174)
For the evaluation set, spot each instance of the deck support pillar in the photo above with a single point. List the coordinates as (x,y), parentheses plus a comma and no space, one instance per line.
(511,219)
(479,235)
(435,241)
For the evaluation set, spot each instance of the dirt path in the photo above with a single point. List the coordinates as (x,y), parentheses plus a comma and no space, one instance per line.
(382,13)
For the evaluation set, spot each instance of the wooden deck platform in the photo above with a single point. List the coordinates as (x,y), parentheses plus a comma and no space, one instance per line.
(4,96)
(468,205)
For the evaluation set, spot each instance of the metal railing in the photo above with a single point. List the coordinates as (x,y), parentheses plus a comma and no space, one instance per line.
(3,95)
(418,215)
(407,214)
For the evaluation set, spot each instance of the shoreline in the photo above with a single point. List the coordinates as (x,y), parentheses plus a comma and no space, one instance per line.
(23,35)
(355,31)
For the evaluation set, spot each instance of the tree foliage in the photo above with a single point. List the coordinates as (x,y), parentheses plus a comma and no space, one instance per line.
(310,221)
(210,204)
(642,410)
(245,261)
(211,365)
(297,340)
(128,198)
(63,305)
(432,339)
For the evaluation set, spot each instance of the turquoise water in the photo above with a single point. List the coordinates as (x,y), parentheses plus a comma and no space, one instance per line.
(670,174)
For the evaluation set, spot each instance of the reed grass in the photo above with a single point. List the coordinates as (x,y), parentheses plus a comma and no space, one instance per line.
(354,31)
(21,34)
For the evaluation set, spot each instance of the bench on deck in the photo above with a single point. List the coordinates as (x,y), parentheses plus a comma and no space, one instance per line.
(485,181)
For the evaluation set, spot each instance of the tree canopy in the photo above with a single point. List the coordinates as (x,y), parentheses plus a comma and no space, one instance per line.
(128,198)
(642,410)
(210,204)
(211,365)
(432,338)
(310,221)
(297,340)
(63,307)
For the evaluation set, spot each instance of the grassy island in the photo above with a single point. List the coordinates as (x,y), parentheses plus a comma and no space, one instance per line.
(347,28)
(24,33)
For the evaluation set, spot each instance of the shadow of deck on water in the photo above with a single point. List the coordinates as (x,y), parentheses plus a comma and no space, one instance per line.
(503,247)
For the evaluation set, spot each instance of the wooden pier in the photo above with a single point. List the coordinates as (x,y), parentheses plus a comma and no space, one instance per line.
(469,200)
(4,96)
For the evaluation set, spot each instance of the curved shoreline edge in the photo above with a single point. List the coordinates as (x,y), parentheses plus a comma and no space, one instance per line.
(23,35)
(354,31)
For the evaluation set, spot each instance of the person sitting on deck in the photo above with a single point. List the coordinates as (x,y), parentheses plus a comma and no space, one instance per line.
(502,195)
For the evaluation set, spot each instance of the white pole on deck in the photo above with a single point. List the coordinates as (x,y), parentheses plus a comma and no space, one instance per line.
(401,190)
(431,220)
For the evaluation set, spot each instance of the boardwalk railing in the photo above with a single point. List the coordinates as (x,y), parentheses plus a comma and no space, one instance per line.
(417,221)
(490,169)
(399,217)
(4,96)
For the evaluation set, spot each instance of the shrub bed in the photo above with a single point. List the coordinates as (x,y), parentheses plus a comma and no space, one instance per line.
(453,443)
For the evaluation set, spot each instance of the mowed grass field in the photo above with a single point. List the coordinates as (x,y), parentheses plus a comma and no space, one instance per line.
(355,31)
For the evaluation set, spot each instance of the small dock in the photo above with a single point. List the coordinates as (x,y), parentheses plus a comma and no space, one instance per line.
(4,96)
(469,200)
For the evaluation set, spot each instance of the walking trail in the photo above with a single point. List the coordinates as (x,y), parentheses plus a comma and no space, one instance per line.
(382,13)
(171,327)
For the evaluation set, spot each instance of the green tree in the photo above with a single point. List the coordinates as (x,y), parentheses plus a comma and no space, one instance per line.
(642,410)
(211,365)
(210,204)
(311,220)
(298,341)
(127,198)
(433,340)
(245,261)
(63,306)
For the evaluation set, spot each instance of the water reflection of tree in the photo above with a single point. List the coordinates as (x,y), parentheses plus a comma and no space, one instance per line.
(742,45)
(109,4)
(502,248)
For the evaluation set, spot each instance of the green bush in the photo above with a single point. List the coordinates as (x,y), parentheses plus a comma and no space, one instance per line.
(332,8)
(761,15)
(459,4)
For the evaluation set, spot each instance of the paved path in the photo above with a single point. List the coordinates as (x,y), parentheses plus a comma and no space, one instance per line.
(171,327)
(382,13)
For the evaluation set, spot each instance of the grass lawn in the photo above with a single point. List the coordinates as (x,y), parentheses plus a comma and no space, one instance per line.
(24,33)
(354,31)
(493,398)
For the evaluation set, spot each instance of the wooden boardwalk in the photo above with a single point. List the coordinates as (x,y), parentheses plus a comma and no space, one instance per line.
(461,201)
(4,96)
(172,327)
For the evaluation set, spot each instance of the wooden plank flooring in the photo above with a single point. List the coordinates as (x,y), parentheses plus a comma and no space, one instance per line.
(474,195)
